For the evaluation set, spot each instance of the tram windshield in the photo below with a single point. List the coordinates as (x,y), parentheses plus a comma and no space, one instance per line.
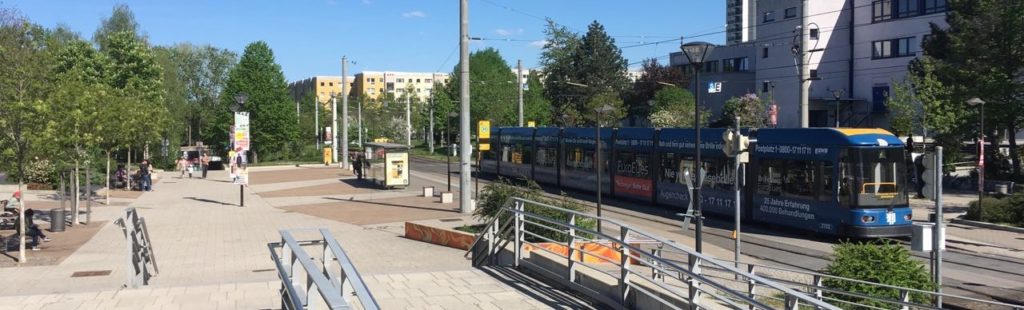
(880,175)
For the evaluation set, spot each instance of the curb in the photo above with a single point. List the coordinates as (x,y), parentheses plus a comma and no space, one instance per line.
(987,225)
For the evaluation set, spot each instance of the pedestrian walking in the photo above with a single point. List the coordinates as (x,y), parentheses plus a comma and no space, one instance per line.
(182,164)
(357,165)
(205,161)
(145,176)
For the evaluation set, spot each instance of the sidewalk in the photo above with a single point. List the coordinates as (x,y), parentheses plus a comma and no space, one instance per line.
(212,254)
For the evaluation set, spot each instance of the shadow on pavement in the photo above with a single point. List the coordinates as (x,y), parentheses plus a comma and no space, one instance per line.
(210,201)
(392,204)
(538,290)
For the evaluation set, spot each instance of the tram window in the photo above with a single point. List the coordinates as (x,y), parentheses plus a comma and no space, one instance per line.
(718,174)
(685,163)
(527,153)
(579,160)
(799,180)
(669,169)
(769,178)
(632,164)
(845,182)
(547,156)
(488,155)
(827,182)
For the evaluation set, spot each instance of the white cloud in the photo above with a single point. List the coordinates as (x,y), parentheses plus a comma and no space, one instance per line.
(508,32)
(538,44)
(414,14)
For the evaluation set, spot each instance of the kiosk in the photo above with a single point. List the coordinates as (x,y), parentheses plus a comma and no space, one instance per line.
(388,164)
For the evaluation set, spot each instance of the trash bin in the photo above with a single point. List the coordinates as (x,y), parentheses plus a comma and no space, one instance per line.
(57,219)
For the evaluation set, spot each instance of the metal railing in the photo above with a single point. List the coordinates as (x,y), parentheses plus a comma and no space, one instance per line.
(324,284)
(139,249)
(813,282)
(635,270)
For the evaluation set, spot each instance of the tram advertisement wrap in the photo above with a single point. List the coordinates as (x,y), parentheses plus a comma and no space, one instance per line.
(790,212)
(633,186)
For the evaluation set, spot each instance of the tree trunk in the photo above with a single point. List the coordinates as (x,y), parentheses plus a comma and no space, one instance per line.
(108,178)
(21,218)
(88,192)
(129,168)
(1011,135)
(75,204)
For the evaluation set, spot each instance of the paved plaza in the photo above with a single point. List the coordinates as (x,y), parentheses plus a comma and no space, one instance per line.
(212,254)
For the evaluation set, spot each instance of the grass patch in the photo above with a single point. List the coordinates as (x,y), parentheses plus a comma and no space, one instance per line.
(473,229)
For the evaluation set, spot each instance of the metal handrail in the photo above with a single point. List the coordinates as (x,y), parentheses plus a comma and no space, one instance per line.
(329,292)
(752,277)
(882,285)
(689,273)
(487,228)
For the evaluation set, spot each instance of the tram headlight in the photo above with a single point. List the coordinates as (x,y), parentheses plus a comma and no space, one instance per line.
(867,219)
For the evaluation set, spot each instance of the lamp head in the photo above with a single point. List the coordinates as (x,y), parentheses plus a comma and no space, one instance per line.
(697,52)
(975,101)
(240,98)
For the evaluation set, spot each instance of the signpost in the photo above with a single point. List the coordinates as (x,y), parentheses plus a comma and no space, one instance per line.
(714,87)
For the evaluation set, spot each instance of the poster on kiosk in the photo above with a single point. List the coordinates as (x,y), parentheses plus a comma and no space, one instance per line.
(239,165)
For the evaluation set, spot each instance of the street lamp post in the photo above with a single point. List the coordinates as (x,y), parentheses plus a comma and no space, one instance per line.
(981,151)
(837,94)
(451,146)
(695,53)
(334,126)
(240,99)
(597,157)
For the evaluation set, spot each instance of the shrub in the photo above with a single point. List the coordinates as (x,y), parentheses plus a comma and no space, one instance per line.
(1009,210)
(495,196)
(40,171)
(882,262)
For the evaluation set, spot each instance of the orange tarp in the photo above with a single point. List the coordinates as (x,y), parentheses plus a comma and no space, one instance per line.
(593,250)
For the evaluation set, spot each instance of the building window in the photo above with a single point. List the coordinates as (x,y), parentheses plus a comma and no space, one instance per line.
(901,47)
(934,6)
(417,80)
(764,52)
(814,73)
(711,66)
(905,8)
(429,81)
(331,84)
(735,65)
(791,12)
(881,10)
(400,80)
(879,96)
(321,83)
(813,33)
(769,16)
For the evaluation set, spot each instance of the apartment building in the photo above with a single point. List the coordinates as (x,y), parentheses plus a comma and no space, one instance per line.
(322,86)
(374,84)
(740,19)
(859,48)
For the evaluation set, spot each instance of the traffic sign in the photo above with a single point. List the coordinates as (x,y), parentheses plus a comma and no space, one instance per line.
(483,131)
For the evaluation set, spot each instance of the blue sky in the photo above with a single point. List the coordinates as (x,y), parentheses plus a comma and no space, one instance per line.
(309,37)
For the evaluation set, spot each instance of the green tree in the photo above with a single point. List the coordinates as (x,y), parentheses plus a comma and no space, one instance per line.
(981,54)
(536,107)
(121,20)
(649,83)
(673,107)
(271,112)
(749,108)
(591,117)
(558,61)
(599,63)
(194,77)
(23,85)
(493,93)
(904,114)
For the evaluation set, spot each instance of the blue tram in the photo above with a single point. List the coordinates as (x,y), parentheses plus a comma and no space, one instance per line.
(847,182)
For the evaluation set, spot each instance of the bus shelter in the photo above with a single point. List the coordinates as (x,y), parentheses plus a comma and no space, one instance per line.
(388,164)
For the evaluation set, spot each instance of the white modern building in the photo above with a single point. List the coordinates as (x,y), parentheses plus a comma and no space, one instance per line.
(858,48)
(740,18)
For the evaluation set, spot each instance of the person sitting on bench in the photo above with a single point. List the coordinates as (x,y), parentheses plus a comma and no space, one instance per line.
(32,230)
